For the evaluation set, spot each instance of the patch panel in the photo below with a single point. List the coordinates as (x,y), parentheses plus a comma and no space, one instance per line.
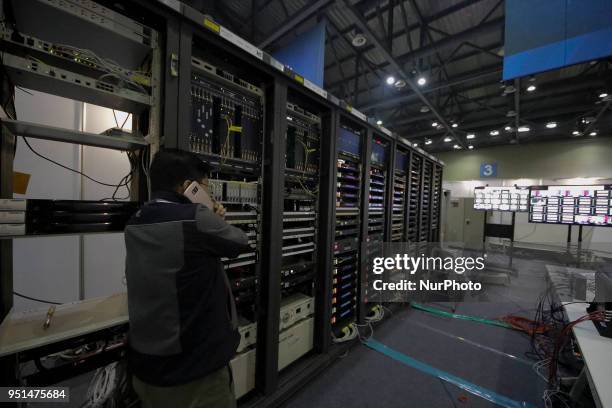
(230,191)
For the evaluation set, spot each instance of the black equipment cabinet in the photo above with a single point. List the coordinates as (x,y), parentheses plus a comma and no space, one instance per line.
(283,168)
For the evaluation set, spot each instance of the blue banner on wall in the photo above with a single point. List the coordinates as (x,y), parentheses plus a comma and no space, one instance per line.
(306,54)
(547,34)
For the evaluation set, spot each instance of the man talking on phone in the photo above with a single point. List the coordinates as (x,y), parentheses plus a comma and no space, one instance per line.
(182,314)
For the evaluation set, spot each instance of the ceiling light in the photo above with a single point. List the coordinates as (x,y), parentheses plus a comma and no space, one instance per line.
(359,40)
(428,142)
(494,132)
(424,109)
(470,147)
(434,124)
(455,125)
(508,128)
(576,133)
(390,80)
(551,125)
(470,136)
(421,81)
(379,122)
(400,83)
(593,133)
(531,88)
(603,95)
(457,147)
(447,139)
(415,144)
(523,129)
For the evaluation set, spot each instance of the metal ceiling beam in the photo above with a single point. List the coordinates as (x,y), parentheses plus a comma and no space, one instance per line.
(476,113)
(399,72)
(295,21)
(447,42)
(487,123)
(599,115)
(471,54)
(441,14)
(453,81)
(334,29)
(335,55)
(544,91)
(452,41)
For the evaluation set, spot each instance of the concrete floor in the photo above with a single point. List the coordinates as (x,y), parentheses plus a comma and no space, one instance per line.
(491,357)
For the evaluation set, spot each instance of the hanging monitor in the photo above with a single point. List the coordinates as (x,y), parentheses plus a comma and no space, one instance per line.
(513,199)
(580,205)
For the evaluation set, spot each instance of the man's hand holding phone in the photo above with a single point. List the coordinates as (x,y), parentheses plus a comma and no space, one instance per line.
(219,209)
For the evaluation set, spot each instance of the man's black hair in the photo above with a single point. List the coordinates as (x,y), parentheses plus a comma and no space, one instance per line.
(171,167)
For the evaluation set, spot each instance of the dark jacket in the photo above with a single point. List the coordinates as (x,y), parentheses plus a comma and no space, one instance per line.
(178,297)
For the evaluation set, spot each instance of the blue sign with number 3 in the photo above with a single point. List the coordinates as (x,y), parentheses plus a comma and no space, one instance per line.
(488,170)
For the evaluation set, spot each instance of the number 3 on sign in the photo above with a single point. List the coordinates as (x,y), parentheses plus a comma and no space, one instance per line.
(488,170)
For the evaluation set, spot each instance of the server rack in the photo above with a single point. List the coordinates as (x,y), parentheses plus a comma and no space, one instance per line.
(300,278)
(436,206)
(49,55)
(191,39)
(376,221)
(415,186)
(349,191)
(426,201)
(400,195)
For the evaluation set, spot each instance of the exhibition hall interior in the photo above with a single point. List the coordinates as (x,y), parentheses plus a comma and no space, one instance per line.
(293,203)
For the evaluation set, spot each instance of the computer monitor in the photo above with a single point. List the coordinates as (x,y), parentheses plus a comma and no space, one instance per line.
(513,199)
(379,152)
(572,205)
(349,142)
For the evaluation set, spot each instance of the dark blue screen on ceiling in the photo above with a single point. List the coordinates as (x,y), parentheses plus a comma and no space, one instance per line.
(306,54)
(349,142)
(547,34)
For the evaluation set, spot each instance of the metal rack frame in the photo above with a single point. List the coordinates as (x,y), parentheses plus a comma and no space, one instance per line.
(184,24)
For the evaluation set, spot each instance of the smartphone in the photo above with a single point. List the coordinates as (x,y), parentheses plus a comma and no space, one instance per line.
(197,194)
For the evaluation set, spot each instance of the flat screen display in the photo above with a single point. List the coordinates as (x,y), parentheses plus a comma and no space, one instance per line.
(580,205)
(401,161)
(349,142)
(379,152)
(501,198)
